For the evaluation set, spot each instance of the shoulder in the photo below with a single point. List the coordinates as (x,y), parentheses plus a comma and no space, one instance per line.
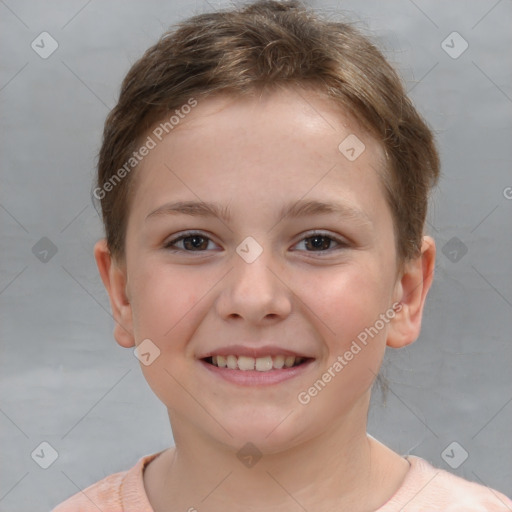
(118,492)
(104,493)
(428,488)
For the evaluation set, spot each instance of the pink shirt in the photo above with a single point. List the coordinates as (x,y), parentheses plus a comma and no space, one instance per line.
(424,489)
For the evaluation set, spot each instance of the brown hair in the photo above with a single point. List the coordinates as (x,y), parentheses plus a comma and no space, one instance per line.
(262,45)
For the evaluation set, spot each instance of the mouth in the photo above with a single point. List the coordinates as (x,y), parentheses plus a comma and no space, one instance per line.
(259,364)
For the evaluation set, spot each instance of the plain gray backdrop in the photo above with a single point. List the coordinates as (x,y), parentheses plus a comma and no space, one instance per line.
(66,382)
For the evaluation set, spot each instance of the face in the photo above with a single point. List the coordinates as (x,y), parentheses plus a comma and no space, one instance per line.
(299,260)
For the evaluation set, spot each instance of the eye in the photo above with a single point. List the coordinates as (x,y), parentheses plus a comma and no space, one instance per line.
(195,241)
(192,242)
(322,242)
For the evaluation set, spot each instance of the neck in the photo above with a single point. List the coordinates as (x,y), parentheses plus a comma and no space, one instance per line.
(340,469)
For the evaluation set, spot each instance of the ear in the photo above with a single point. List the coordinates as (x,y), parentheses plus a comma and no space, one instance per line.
(114,279)
(411,292)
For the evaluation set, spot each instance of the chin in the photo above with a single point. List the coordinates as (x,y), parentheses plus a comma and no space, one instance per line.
(268,437)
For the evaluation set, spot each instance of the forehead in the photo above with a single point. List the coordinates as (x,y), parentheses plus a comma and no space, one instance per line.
(270,148)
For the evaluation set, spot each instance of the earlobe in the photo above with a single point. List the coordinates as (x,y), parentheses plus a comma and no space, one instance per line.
(114,279)
(411,291)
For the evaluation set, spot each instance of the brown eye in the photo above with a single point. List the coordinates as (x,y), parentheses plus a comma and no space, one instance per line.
(319,242)
(322,243)
(195,242)
(192,242)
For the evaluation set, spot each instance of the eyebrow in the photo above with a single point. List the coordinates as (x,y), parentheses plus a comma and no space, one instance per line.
(300,208)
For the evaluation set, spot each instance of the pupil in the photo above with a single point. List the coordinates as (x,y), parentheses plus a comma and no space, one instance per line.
(317,242)
(195,241)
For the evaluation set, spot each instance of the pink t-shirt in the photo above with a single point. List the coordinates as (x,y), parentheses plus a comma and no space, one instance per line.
(424,489)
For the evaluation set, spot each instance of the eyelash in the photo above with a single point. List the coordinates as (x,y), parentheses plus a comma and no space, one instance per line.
(341,243)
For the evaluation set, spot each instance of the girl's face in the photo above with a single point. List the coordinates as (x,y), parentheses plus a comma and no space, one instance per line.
(299,259)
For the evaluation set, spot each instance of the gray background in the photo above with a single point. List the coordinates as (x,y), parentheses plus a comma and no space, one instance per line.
(66,381)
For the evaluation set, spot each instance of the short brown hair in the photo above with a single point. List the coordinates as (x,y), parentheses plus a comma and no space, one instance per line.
(263,45)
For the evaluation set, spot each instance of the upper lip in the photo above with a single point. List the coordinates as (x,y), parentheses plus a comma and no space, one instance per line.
(255,352)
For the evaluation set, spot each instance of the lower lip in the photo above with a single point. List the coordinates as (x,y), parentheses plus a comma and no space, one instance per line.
(256,378)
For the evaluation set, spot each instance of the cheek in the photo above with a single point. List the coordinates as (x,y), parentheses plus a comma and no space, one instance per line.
(164,301)
(349,304)
(166,308)
(348,300)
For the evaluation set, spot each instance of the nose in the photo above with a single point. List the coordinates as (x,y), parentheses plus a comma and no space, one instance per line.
(255,292)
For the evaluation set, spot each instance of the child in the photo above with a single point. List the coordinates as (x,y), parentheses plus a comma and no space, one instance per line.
(264,182)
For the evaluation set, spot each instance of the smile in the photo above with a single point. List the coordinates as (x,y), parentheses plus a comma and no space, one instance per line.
(256,371)
(260,364)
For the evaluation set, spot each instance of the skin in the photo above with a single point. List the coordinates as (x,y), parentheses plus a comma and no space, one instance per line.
(256,155)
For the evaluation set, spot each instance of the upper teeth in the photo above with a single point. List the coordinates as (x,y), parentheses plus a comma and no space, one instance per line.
(261,364)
